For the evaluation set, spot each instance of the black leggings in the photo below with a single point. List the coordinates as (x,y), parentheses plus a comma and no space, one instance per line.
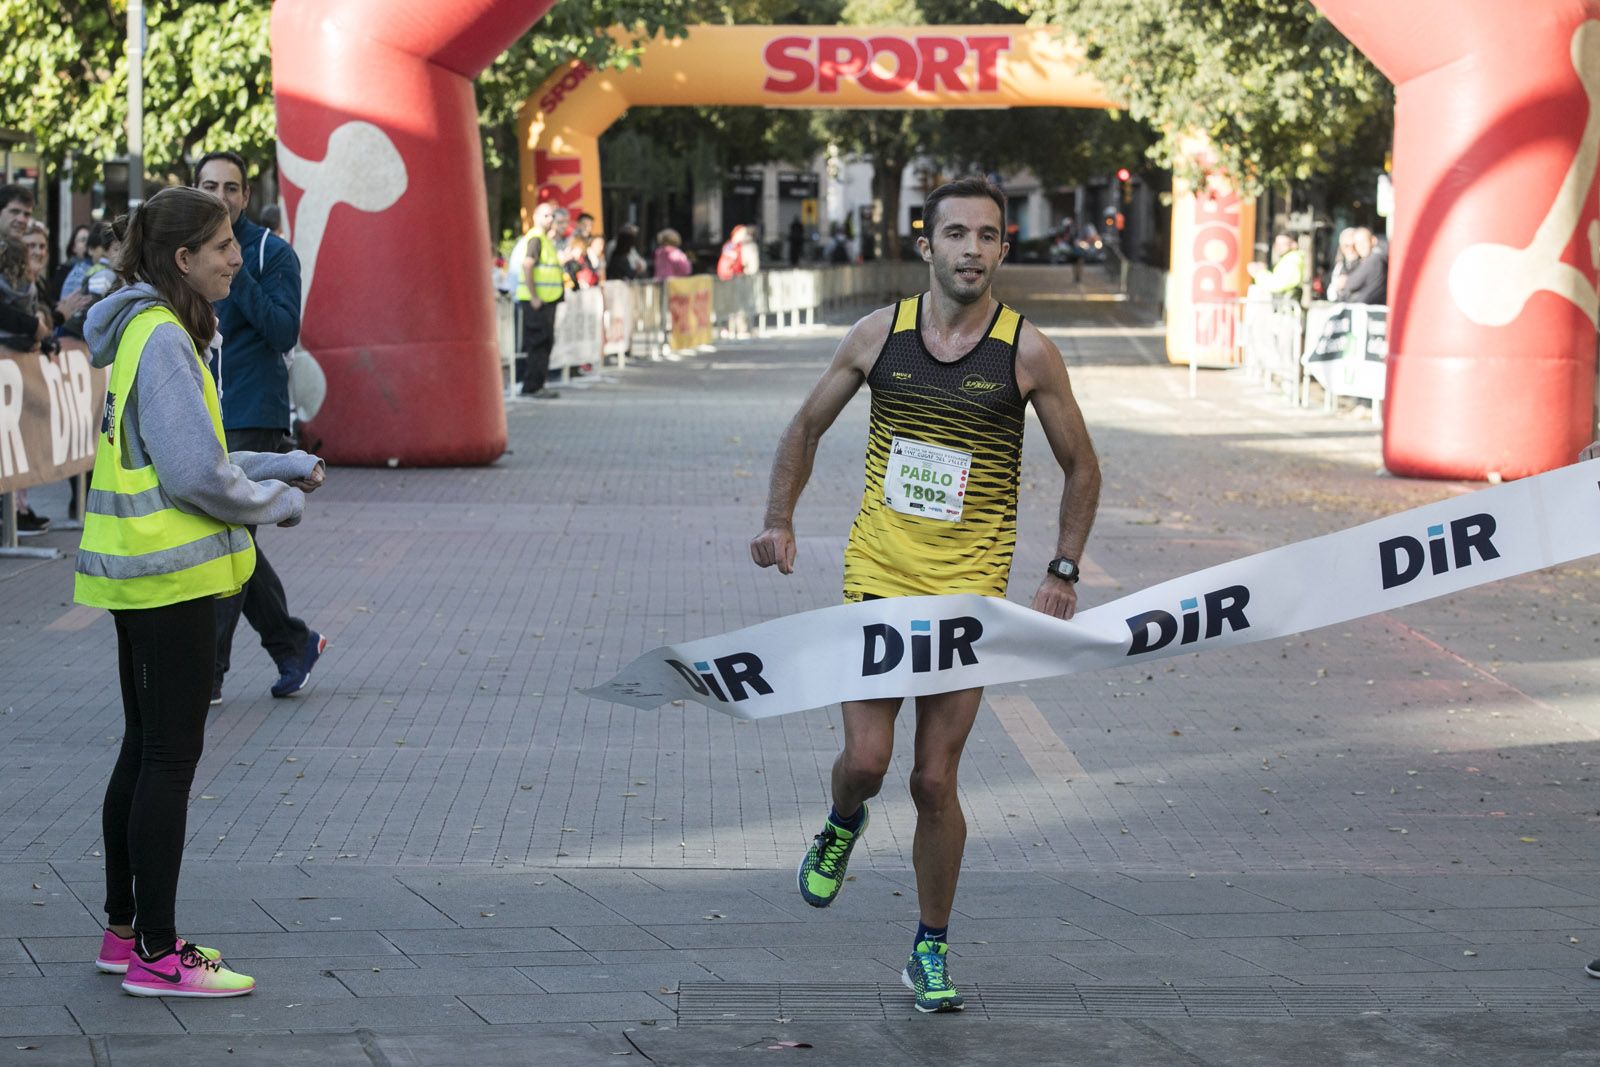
(165,658)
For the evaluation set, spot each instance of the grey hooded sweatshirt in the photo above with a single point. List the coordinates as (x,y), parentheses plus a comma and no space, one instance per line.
(165,423)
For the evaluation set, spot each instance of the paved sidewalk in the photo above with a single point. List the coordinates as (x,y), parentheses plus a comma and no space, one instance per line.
(1371,840)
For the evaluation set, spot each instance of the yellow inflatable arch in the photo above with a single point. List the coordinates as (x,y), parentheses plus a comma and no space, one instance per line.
(871,67)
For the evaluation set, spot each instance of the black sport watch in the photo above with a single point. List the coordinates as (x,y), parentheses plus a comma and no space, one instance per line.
(1064,568)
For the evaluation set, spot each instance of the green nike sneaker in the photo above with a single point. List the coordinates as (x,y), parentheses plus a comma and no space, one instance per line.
(821,873)
(925,975)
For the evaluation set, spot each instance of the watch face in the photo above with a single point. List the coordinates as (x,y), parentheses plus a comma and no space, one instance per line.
(1064,568)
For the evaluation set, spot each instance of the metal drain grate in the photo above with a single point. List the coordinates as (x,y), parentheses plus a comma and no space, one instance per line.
(713,1003)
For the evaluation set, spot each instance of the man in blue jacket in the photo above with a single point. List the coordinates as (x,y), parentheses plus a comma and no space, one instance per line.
(260,323)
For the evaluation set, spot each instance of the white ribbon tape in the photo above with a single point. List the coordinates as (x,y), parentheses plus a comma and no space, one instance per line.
(910,646)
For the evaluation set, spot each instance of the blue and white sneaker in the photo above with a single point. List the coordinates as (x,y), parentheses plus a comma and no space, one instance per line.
(927,977)
(295,674)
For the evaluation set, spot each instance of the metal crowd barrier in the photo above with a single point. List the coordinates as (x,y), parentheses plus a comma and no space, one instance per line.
(1341,347)
(623,319)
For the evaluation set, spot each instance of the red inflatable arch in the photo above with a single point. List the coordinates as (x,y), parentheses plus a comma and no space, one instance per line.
(382,175)
(1492,276)
(1496,244)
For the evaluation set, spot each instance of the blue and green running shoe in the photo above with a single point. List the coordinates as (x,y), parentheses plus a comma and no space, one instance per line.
(926,976)
(821,873)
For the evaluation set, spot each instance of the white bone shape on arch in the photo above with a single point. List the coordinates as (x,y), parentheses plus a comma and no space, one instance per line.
(1492,283)
(362,168)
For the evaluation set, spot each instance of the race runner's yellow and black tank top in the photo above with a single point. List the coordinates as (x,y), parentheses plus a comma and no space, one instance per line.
(939,512)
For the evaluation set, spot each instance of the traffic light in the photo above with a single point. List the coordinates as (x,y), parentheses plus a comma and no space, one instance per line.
(1123,174)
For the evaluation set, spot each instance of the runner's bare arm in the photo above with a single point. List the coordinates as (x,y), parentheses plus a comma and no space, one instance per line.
(1042,377)
(797,448)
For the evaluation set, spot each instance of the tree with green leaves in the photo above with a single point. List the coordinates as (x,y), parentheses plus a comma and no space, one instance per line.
(1269,83)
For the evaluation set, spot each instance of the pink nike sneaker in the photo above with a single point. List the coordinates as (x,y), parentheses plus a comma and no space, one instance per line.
(115,952)
(184,972)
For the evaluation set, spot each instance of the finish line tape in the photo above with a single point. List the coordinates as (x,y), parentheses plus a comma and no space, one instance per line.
(911,646)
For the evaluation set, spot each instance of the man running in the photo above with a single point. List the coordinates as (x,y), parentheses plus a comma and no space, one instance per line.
(951,371)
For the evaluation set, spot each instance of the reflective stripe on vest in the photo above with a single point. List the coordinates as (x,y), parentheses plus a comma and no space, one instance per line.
(549,280)
(139,549)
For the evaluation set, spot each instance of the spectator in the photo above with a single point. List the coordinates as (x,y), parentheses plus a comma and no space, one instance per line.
(730,264)
(585,262)
(16,209)
(272,219)
(797,241)
(1369,280)
(625,263)
(90,282)
(77,251)
(1344,262)
(750,250)
(37,241)
(670,262)
(540,287)
(838,245)
(25,325)
(259,320)
(1288,273)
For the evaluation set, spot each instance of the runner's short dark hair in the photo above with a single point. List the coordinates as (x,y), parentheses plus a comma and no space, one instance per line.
(960,189)
(232,157)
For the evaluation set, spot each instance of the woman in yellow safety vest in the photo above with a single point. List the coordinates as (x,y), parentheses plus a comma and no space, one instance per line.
(163,537)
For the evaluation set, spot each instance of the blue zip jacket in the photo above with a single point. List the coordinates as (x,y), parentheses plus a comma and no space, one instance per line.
(260,322)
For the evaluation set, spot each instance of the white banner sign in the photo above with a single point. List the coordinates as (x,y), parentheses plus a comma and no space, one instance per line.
(910,646)
(580,329)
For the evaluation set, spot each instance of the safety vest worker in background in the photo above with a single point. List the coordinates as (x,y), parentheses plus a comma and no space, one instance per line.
(1288,274)
(541,283)
(163,537)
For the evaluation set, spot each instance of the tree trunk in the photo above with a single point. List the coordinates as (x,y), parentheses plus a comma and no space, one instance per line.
(888,174)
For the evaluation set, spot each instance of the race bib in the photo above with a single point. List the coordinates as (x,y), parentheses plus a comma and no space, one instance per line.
(926,480)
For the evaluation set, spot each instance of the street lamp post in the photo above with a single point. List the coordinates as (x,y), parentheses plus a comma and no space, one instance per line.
(135,53)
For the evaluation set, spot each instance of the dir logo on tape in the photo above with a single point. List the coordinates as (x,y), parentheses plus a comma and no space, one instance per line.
(1155,629)
(728,678)
(883,646)
(1401,559)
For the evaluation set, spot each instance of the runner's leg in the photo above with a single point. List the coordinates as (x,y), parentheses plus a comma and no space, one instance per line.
(868,744)
(943,722)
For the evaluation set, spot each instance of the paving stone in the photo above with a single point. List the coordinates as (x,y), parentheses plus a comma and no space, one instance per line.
(58,917)
(569,1007)
(241,1050)
(1501,891)
(508,907)
(605,977)
(1279,924)
(773,935)
(1467,920)
(570,1047)
(402,911)
(522,939)
(115,1012)
(612,938)
(1208,896)
(473,977)
(36,1020)
(1311,892)
(256,1012)
(56,1051)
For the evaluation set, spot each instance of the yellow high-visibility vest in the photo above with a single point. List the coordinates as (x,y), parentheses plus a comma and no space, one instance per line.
(549,280)
(139,550)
